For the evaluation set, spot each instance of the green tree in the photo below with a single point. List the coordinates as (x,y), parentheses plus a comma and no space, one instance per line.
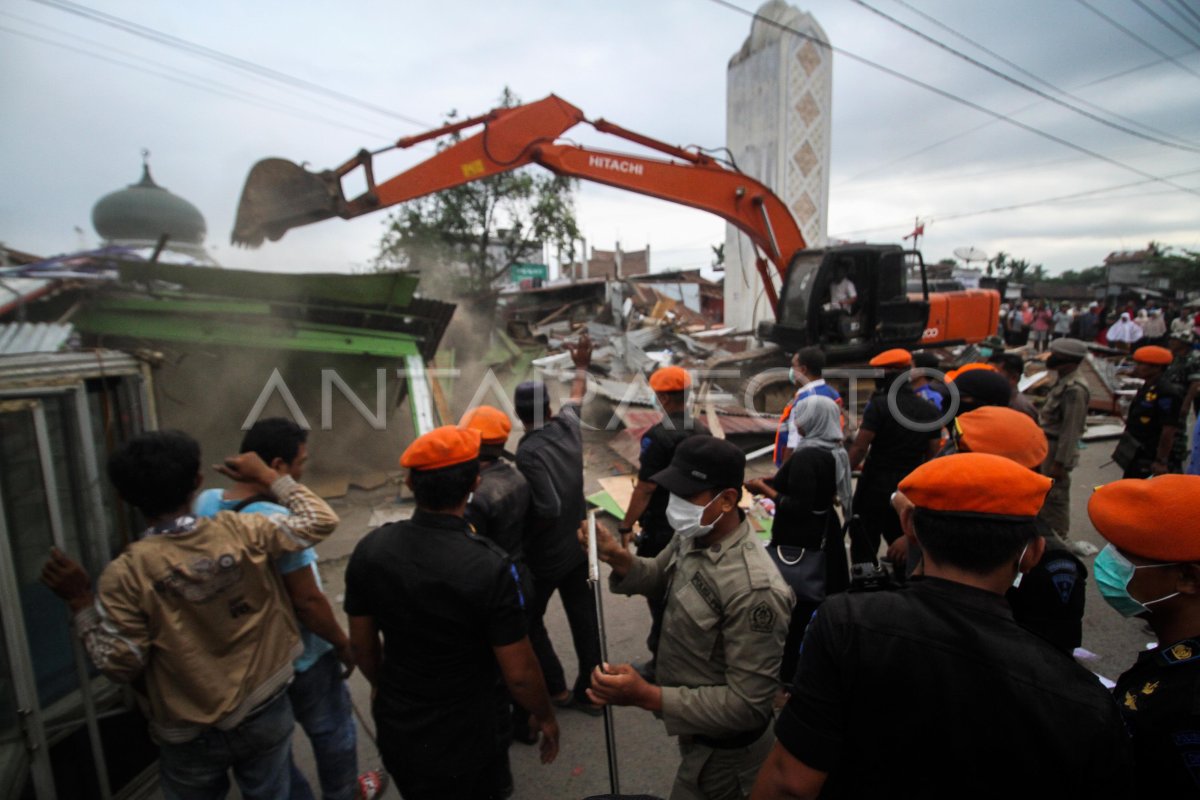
(1182,266)
(464,240)
(718,251)
(1017,270)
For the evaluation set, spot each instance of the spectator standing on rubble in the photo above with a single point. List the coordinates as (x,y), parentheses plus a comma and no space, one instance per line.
(723,628)
(434,610)
(194,615)
(998,705)
(1150,569)
(550,456)
(498,510)
(806,372)
(1156,415)
(891,443)
(320,700)
(648,504)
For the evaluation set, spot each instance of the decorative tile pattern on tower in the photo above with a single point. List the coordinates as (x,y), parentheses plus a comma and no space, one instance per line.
(778,103)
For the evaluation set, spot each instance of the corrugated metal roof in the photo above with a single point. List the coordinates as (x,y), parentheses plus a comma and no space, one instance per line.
(34,337)
(35,367)
(14,291)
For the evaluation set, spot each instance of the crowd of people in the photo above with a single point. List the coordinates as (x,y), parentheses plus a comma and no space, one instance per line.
(1122,326)
(935,660)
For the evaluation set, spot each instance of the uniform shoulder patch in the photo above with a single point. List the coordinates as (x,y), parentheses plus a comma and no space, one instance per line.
(762,618)
(1182,652)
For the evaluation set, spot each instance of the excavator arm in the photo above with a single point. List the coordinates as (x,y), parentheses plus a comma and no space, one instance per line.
(280,195)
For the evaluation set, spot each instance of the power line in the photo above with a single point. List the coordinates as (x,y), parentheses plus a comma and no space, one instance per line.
(1188,14)
(1008,62)
(1021,84)
(982,125)
(950,96)
(1166,24)
(229,60)
(1137,38)
(932,218)
(190,81)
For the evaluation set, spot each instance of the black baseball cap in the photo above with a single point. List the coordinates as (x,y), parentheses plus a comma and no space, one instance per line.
(702,463)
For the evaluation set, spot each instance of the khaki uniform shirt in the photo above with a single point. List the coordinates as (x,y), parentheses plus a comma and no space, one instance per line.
(723,632)
(1064,416)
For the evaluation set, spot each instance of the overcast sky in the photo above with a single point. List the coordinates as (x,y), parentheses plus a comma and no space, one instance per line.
(80,99)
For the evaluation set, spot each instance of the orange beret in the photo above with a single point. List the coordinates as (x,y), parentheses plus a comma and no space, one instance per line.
(1158,518)
(1002,432)
(954,373)
(1153,354)
(977,484)
(442,447)
(670,379)
(493,425)
(892,359)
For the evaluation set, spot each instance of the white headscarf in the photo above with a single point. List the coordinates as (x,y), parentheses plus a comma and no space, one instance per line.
(1125,330)
(821,421)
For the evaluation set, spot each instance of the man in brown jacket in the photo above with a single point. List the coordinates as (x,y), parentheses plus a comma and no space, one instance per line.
(195,612)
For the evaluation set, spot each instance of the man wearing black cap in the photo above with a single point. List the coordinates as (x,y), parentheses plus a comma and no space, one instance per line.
(723,630)
(550,456)
(1063,418)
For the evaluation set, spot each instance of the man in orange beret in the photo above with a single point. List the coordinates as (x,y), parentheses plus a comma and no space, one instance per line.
(1155,417)
(899,430)
(996,703)
(648,505)
(449,607)
(1151,569)
(1048,599)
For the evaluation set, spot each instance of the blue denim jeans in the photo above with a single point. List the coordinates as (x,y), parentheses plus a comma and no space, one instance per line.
(258,751)
(321,704)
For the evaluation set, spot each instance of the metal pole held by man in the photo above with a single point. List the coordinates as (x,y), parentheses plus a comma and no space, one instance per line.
(610,739)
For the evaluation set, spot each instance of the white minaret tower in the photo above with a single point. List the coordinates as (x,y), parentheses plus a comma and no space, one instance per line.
(779,91)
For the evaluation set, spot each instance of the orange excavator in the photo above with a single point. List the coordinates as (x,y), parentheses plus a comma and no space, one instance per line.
(852,300)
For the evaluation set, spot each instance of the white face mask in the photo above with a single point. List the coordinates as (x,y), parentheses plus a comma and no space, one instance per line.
(684,517)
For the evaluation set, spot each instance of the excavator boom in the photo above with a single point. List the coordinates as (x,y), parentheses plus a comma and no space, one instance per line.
(280,195)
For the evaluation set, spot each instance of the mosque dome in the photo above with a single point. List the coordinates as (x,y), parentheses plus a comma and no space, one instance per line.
(144,211)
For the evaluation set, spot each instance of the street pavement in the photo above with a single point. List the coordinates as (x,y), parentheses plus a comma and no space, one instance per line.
(647,757)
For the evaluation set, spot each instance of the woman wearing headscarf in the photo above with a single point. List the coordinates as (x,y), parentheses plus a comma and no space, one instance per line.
(804,490)
(1124,332)
(1154,329)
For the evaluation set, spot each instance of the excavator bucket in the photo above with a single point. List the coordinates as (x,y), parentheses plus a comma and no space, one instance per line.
(280,195)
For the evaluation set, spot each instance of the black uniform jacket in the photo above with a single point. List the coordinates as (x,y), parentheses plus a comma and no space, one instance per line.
(932,690)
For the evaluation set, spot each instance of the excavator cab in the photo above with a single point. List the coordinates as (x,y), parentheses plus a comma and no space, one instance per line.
(851,300)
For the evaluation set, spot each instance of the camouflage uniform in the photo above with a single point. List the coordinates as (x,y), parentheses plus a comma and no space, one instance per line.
(1183,372)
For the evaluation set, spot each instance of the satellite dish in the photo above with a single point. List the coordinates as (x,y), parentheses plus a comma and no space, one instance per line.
(969,254)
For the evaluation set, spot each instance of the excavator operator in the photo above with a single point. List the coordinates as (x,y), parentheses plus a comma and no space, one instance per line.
(843,301)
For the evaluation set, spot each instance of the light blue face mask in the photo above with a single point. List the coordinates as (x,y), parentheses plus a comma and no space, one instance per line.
(1113,573)
(792,376)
